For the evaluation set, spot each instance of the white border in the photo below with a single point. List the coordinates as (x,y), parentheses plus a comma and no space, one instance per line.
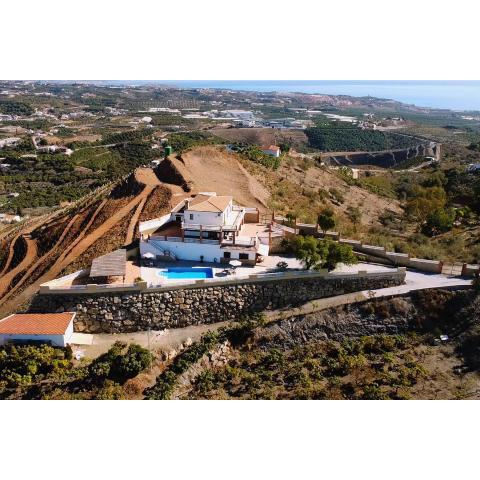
(251,39)
(240,440)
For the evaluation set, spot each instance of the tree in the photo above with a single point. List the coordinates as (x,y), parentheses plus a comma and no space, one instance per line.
(291,217)
(339,253)
(316,254)
(326,220)
(355,216)
(439,221)
(306,250)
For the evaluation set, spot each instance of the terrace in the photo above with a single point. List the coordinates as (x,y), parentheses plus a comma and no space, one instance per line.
(247,236)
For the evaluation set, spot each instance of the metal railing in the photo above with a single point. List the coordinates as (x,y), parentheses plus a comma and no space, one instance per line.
(240,242)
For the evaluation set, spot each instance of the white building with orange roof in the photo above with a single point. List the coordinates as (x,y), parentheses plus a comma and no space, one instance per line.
(272,150)
(52,328)
(206,227)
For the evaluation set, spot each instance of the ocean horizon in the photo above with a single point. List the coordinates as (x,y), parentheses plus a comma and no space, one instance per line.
(463,95)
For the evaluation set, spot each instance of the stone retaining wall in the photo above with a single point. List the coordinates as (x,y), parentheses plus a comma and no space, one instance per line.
(134,311)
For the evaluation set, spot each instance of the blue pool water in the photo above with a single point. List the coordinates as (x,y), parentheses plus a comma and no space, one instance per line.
(186,273)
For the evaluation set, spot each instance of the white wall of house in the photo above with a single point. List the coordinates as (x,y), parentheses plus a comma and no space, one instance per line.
(273,153)
(193,251)
(55,340)
(203,218)
(207,218)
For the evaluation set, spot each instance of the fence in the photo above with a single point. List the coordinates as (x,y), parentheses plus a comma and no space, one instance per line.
(381,255)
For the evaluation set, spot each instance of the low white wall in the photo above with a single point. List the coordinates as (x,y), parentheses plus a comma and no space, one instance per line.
(151,225)
(67,278)
(400,273)
(470,270)
(376,253)
(434,266)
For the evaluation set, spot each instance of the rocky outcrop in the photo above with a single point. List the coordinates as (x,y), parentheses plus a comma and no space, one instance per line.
(429,310)
(135,311)
(339,323)
(168,172)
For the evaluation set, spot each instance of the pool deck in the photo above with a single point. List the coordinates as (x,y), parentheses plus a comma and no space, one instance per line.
(152,276)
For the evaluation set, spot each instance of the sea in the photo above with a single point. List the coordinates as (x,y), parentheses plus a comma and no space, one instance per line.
(461,95)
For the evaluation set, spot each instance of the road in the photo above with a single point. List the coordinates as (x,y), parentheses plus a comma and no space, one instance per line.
(413,281)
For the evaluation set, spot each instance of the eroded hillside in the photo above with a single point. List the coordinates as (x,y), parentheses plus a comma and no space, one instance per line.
(68,239)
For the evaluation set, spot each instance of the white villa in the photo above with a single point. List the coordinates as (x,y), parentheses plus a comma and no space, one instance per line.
(272,150)
(210,228)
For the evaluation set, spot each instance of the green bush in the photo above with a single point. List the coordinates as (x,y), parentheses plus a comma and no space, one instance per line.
(20,365)
(316,254)
(439,221)
(120,363)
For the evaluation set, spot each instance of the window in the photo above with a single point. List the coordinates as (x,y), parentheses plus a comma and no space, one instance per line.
(227,255)
(191,216)
(243,256)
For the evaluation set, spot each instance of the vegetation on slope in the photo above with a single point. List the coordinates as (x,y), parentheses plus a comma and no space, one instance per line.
(45,372)
(183,141)
(343,137)
(398,366)
(14,107)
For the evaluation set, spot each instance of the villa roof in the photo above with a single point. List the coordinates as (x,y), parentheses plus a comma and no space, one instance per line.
(36,323)
(112,264)
(207,203)
(270,147)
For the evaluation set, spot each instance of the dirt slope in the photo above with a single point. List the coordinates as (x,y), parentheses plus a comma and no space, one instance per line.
(81,232)
(37,264)
(29,257)
(371,205)
(304,188)
(212,169)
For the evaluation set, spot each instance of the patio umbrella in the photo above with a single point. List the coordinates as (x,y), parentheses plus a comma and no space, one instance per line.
(235,263)
(148,255)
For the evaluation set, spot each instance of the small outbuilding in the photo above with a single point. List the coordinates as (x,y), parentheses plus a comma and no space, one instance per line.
(55,329)
(272,150)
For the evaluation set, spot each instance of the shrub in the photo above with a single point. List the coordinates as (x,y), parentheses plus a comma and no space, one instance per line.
(439,221)
(326,220)
(282,266)
(317,254)
(120,363)
(135,360)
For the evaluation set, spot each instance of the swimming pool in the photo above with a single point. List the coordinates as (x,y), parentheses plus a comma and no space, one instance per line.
(186,273)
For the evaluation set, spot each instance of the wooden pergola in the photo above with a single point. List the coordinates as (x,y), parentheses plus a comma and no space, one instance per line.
(112,264)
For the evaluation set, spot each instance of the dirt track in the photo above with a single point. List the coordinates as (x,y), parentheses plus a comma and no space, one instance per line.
(10,254)
(82,233)
(27,260)
(134,221)
(144,176)
(212,169)
(37,264)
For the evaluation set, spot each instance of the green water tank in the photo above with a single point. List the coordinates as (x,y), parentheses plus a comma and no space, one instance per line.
(168,150)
